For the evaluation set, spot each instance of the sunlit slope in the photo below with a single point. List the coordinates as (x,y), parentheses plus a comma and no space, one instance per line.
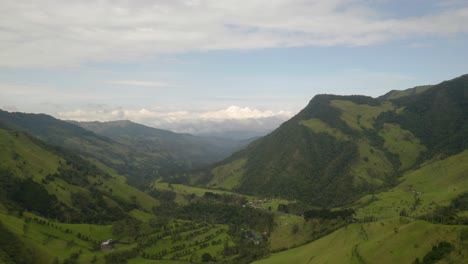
(340,148)
(137,161)
(27,157)
(185,148)
(420,191)
(390,241)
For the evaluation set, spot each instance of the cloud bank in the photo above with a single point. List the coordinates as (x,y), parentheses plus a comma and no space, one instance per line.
(233,118)
(55,33)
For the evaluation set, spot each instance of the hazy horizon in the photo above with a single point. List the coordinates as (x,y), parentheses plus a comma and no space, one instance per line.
(209,66)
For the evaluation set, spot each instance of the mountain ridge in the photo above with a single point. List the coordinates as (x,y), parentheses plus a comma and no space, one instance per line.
(340,147)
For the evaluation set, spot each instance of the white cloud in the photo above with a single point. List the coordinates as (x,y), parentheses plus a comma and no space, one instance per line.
(229,119)
(236,112)
(141,83)
(54,33)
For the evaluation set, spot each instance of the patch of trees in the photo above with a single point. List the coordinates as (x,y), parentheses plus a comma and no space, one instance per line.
(92,208)
(206,257)
(438,116)
(437,253)
(234,215)
(121,257)
(295,163)
(126,227)
(163,195)
(18,195)
(449,214)
(225,198)
(73,258)
(12,250)
(328,214)
(26,194)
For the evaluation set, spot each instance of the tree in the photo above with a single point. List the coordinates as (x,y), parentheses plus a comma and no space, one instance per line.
(206,257)
(295,229)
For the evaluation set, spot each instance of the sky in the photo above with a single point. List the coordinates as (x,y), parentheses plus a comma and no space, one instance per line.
(201,66)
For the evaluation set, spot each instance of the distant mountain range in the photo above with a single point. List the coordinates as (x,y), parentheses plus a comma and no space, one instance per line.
(191,149)
(349,179)
(141,153)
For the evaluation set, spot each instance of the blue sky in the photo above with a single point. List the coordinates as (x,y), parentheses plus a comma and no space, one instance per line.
(173,63)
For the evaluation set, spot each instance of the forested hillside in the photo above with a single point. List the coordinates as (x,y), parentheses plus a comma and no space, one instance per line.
(349,179)
(192,150)
(140,153)
(58,207)
(339,148)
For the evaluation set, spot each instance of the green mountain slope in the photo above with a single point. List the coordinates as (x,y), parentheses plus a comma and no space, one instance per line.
(58,207)
(395,94)
(191,149)
(59,184)
(340,148)
(405,223)
(389,241)
(135,162)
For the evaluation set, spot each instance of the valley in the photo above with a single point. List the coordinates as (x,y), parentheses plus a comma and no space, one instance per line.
(349,179)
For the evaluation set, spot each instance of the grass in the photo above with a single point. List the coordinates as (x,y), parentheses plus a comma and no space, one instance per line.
(391,241)
(20,154)
(117,187)
(408,92)
(152,261)
(282,237)
(49,241)
(228,176)
(360,116)
(184,191)
(372,166)
(402,143)
(438,182)
(318,126)
(183,245)
(140,215)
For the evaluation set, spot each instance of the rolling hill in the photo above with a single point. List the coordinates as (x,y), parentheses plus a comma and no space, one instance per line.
(193,150)
(57,207)
(349,179)
(140,153)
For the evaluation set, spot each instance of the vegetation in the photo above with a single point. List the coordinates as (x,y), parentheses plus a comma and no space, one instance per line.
(390,241)
(350,179)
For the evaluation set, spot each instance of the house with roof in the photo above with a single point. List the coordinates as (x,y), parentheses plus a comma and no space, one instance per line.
(106,245)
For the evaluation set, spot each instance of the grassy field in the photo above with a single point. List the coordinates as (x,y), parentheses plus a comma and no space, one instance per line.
(181,240)
(20,154)
(318,126)
(391,241)
(186,244)
(402,143)
(437,183)
(183,191)
(49,241)
(360,116)
(292,231)
(372,166)
(228,176)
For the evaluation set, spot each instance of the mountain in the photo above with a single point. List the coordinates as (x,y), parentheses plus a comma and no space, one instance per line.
(125,159)
(60,184)
(340,148)
(366,180)
(185,147)
(58,207)
(395,94)
(138,152)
